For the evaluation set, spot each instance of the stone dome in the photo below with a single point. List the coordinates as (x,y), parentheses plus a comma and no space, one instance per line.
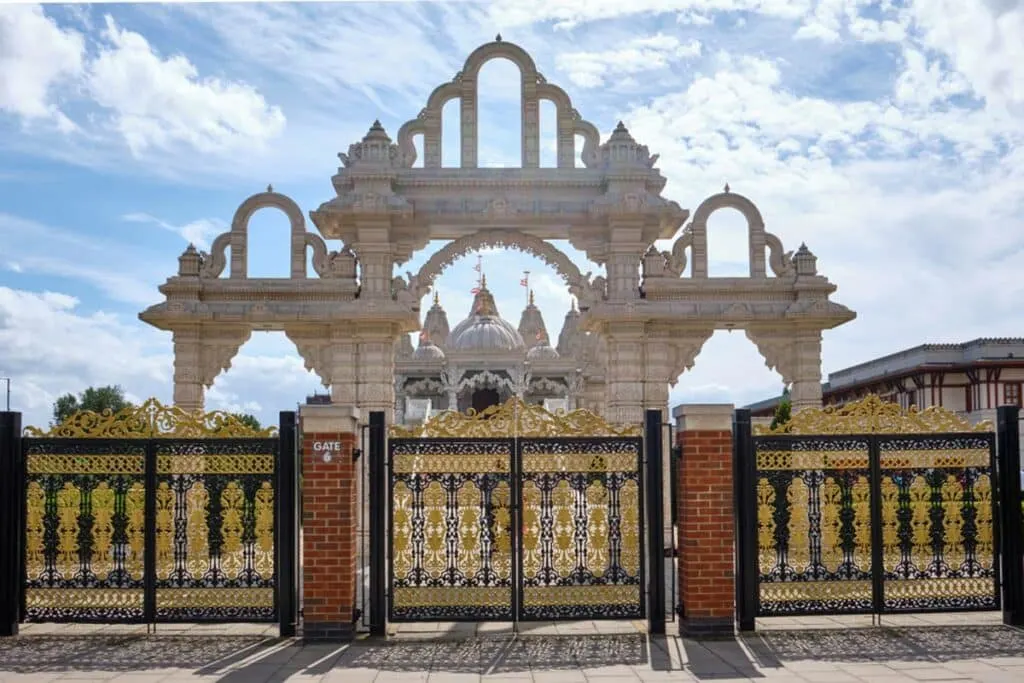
(542,351)
(428,350)
(484,329)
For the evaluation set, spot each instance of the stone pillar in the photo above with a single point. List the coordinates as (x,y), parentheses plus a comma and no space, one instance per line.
(342,359)
(806,390)
(330,519)
(625,374)
(705,499)
(657,369)
(188,385)
(376,370)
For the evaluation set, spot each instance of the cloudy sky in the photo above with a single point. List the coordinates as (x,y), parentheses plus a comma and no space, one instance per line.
(886,135)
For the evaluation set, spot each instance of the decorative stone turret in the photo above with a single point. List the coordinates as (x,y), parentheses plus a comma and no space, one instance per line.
(190,262)
(806,262)
(531,324)
(375,149)
(436,322)
(570,338)
(622,151)
(403,346)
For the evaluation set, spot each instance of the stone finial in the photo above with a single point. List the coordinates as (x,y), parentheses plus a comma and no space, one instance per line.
(270,188)
(531,298)
(726,188)
(190,262)
(805,261)
(437,298)
(497,38)
(374,149)
(621,150)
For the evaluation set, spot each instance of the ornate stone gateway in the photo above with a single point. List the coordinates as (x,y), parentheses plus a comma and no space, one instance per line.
(867,509)
(516,513)
(153,515)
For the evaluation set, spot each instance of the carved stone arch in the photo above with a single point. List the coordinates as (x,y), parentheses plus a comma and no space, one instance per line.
(569,124)
(238,238)
(699,232)
(542,249)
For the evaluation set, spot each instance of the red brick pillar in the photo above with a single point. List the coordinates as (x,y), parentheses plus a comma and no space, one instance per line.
(329,521)
(705,499)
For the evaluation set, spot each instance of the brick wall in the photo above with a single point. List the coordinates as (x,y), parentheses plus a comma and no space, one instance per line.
(706,529)
(329,515)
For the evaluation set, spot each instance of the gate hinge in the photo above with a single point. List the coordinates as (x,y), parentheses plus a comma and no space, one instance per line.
(356,454)
(677,452)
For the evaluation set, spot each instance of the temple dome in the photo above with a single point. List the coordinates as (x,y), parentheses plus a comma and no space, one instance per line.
(428,350)
(484,329)
(542,351)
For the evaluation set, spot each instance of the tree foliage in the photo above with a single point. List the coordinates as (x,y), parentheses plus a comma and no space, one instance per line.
(96,399)
(782,411)
(248,420)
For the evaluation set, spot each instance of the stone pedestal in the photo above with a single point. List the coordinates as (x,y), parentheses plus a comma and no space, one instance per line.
(330,519)
(705,498)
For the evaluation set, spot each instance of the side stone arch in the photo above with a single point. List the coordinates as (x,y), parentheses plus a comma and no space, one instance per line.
(576,281)
(238,236)
(698,241)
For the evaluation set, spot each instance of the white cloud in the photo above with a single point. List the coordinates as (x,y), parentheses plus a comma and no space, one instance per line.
(160,102)
(596,69)
(571,13)
(36,57)
(199,232)
(121,272)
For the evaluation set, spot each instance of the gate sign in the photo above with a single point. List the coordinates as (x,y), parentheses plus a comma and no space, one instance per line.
(328,448)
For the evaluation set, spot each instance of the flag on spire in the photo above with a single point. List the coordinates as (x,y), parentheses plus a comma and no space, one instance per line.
(479,263)
(424,335)
(525,281)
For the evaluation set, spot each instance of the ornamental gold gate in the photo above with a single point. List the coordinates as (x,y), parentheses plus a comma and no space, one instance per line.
(156,515)
(866,509)
(516,514)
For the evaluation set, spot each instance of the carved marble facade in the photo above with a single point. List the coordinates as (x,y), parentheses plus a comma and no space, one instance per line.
(639,326)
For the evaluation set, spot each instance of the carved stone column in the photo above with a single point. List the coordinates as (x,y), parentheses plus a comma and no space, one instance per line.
(188,387)
(343,359)
(806,390)
(450,377)
(376,369)
(376,270)
(625,378)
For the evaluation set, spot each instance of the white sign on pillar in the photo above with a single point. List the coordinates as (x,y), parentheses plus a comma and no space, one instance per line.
(327,449)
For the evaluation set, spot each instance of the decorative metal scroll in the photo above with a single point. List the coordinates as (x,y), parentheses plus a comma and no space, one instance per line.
(151,420)
(931,546)
(515,418)
(813,525)
(872,415)
(90,543)
(581,529)
(937,523)
(215,530)
(451,536)
(85,531)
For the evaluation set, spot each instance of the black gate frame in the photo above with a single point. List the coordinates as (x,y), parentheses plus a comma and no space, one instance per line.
(517,588)
(1008,544)
(13,483)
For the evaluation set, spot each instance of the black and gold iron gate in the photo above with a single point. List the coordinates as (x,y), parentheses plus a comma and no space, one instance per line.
(516,514)
(156,515)
(867,509)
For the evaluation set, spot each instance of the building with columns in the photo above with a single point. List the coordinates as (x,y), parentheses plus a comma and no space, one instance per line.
(484,360)
(971,378)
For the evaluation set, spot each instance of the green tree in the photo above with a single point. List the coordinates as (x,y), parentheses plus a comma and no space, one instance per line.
(782,411)
(96,399)
(248,420)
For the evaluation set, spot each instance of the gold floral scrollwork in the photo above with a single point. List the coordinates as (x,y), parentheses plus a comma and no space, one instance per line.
(872,415)
(151,419)
(515,417)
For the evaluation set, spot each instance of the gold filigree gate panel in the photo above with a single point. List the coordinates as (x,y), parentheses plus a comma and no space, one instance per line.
(215,529)
(580,548)
(937,522)
(813,498)
(451,529)
(84,530)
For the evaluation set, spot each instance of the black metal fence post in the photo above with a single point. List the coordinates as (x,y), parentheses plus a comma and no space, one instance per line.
(1010,523)
(655,522)
(378,524)
(287,542)
(12,487)
(744,481)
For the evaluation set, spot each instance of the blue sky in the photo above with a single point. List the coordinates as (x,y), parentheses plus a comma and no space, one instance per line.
(885,135)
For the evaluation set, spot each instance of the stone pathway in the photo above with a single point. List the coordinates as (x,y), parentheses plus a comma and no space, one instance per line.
(829,650)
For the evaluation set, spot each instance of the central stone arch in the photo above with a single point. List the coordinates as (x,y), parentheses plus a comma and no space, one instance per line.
(650,320)
(542,249)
